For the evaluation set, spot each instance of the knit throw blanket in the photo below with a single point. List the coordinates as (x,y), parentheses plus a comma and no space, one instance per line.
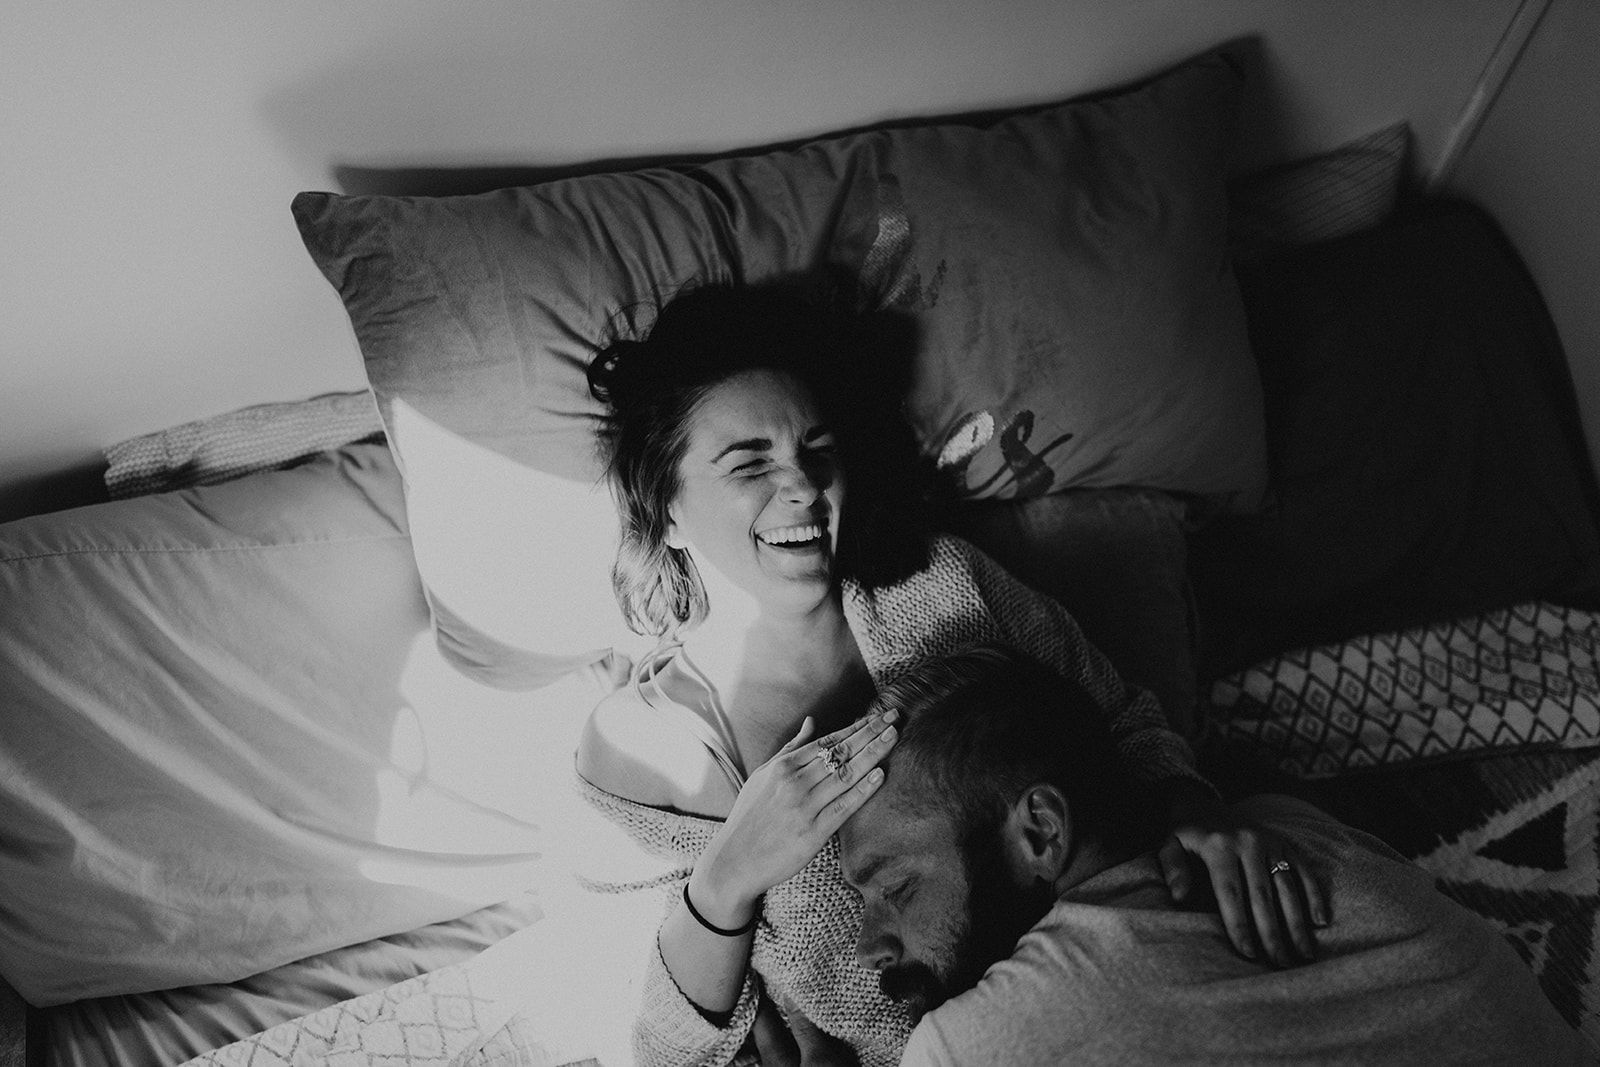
(1528,675)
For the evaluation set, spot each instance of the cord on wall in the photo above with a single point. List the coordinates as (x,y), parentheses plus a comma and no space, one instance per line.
(1486,89)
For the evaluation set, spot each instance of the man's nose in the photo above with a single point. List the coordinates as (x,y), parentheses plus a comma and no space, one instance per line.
(877,947)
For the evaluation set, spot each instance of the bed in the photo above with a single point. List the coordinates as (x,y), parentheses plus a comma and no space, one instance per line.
(289,719)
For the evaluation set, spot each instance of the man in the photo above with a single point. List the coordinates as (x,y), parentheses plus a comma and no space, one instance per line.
(1013,896)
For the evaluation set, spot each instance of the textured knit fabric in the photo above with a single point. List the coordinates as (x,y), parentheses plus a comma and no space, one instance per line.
(1113,974)
(228,446)
(804,945)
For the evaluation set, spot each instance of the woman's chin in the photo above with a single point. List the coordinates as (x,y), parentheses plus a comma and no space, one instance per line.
(812,563)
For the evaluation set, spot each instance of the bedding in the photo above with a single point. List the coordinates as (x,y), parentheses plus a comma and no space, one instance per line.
(266,671)
(229,743)
(1008,242)
(223,447)
(1523,676)
(1425,452)
(172,1025)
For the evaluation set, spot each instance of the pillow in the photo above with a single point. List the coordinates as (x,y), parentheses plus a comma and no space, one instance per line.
(1426,456)
(262,437)
(1351,188)
(1117,560)
(1065,267)
(229,741)
(1504,679)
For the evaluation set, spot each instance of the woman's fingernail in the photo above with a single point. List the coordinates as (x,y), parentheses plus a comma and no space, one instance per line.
(875,775)
(891,715)
(890,734)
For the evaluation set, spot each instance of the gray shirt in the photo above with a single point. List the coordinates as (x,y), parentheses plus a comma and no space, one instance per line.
(1114,974)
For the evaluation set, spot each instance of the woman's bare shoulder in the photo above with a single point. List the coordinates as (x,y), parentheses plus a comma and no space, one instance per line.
(630,750)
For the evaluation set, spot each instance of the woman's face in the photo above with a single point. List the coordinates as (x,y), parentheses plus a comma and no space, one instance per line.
(760,490)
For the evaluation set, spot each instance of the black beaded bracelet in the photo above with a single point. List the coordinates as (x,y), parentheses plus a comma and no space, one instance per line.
(713,927)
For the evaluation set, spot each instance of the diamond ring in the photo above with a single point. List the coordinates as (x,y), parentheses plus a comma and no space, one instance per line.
(1281,867)
(837,757)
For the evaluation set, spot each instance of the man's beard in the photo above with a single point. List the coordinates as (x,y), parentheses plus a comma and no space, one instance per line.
(998,912)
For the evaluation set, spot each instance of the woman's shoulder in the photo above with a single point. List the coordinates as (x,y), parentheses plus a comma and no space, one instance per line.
(951,563)
(620,747)
(632,751)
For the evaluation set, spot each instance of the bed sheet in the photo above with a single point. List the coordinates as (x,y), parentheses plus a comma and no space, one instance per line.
(170,1026)
(559,993)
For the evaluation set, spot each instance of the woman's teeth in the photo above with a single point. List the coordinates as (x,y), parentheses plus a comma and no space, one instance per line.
(791,535)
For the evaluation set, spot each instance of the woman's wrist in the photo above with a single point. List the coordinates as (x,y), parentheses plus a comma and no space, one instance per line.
(1188,800)
(718,903)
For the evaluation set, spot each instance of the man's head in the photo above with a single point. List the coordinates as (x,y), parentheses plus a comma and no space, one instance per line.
(1003,790)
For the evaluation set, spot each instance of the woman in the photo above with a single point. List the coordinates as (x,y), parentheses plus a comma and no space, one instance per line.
(734,755)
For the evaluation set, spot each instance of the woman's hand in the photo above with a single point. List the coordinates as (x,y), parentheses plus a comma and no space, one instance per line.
(1269,897)
(797,1042)
(788,809)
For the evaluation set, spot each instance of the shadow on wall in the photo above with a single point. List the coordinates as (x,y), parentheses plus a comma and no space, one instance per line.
(1265,133)
(503,96)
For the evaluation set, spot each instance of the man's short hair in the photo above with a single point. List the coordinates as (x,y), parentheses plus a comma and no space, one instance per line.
(979,726)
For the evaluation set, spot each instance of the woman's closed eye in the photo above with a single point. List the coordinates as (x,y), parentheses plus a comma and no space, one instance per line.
(814,455)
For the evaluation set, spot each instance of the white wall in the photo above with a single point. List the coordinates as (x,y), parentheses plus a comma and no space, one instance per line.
(148,151)
(1535,165)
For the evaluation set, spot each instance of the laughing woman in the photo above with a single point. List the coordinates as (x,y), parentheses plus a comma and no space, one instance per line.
(733,433)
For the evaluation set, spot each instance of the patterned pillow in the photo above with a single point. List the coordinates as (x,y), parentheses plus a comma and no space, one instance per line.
(1528,675)
(1351,188)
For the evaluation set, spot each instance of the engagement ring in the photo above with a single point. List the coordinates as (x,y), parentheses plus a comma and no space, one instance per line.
(1281,867)
(837,757)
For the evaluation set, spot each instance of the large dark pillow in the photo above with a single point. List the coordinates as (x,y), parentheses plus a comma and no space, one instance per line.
(1425,455)
(1066,267)
(1115,559)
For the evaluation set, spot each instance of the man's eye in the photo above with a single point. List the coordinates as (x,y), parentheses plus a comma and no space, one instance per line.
(900,893)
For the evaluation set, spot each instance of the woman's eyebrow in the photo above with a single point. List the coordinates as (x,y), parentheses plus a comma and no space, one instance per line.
(749,444)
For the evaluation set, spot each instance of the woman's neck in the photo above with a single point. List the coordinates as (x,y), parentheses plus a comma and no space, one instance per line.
(771,669)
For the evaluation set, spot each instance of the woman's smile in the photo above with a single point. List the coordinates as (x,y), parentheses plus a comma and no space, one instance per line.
(792,538)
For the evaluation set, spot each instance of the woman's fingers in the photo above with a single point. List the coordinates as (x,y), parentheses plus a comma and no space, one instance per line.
(807,725)
(834,814)
(842,757)
(1294,906)
(1230,889)
(1176,869)
(871,752)
(1316,895)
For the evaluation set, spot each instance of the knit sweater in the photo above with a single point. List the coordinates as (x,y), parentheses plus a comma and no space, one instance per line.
(803,950)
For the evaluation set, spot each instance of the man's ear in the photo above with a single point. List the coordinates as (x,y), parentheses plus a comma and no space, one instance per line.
(1039,833)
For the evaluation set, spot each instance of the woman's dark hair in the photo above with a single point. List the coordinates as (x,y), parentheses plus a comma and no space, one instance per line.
(857,366)
(980,726)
